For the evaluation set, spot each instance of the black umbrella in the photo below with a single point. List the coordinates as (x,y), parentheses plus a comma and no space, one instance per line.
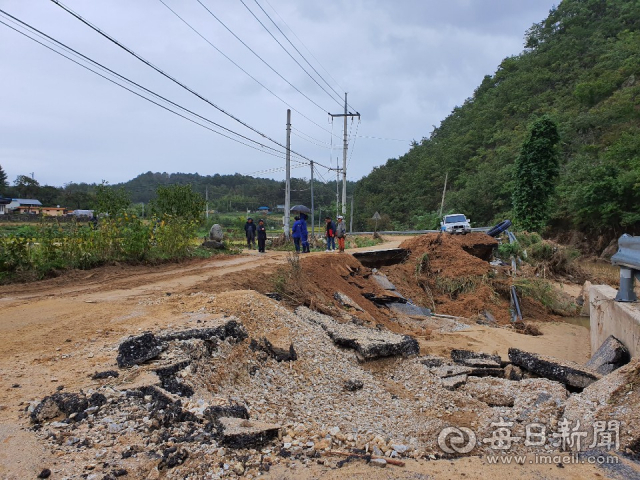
(300,209)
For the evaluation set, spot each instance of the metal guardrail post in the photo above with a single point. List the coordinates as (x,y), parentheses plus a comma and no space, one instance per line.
(628,259)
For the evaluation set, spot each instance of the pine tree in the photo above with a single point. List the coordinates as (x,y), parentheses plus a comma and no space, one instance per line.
(536,171)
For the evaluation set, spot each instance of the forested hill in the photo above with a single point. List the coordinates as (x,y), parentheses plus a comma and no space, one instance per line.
(235,192)
(581,67)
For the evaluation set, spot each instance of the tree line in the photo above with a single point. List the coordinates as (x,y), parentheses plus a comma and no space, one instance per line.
(225,193)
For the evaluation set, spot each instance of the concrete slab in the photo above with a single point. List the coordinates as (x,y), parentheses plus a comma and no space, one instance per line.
(608,317)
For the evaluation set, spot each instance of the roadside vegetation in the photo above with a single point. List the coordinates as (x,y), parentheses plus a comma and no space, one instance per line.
(36,251)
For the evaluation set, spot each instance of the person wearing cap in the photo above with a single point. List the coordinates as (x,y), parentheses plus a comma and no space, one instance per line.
(341,233)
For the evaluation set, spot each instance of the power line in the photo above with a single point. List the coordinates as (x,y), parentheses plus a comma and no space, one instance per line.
(166,75)
(295,48)
(310,141)
(238,66)
(51,39)
(306,48)
(258,56)
(287,52)
(311,138)
(353,145)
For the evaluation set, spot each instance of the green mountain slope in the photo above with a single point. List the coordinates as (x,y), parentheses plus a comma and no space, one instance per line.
(581,66)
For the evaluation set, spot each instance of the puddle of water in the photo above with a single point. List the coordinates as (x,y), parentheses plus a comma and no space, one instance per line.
(581,321)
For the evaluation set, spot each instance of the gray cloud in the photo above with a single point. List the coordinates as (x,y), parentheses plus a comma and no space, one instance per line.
(405,64)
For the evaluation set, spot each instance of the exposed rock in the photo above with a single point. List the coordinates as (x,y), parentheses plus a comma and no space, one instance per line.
(139,349)
(378,462)
(474,359)
(383,281)
(570,373)
(611,355)
(353,385)
(215,233)
(451,383)
(213,244)
(243,433)
(347,302)
(368,343)
(45,473)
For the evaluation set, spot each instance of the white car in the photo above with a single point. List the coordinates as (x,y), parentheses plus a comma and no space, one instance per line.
(455,223)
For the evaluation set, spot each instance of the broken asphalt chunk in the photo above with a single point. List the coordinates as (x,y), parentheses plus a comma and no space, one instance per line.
(139,349)
(368,343)
(347,302)
(451,383)
(243,433)
(569,373)
(611,355)
(277,344)
(474,359)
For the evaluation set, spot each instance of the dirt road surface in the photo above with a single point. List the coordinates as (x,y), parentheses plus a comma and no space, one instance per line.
(56,333)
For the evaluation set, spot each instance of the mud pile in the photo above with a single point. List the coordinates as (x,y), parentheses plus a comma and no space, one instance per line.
(452,275)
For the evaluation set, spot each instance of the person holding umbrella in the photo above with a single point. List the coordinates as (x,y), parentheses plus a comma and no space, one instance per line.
(296,233)
(341,233)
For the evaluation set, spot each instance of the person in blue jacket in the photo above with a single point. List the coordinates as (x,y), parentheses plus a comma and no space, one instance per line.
(296,233)
(304,233)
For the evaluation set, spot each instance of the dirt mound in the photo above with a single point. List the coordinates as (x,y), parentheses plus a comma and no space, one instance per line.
(452,275)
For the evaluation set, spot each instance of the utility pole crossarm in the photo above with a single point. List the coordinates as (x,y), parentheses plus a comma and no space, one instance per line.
(344,151)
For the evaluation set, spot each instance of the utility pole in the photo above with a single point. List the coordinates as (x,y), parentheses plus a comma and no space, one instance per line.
(313,230)
(344,152)
(206,197)
(444,190)
(287,190)
(337,189)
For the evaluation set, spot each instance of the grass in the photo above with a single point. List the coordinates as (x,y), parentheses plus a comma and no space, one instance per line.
(543,292)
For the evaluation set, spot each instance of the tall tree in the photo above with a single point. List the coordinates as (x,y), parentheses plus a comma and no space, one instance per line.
(26,186)
(3,180)
(111,200)
(536,170)
(179,201)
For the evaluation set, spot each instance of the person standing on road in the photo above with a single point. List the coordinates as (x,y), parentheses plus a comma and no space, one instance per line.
(262,235)
(331,235)
(250,232)
(295,233)
(304,233)
(341,233)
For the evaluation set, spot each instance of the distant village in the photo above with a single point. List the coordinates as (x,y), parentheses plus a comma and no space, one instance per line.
(30,206)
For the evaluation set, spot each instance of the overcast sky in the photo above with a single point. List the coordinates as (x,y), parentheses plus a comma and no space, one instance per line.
(404,63)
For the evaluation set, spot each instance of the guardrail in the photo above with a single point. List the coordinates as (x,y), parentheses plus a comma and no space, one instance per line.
(628,259)
(414,232)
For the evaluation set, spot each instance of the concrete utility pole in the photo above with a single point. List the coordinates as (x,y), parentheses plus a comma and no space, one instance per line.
(313,230)
(287,190)
(206,198)
(344,152)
